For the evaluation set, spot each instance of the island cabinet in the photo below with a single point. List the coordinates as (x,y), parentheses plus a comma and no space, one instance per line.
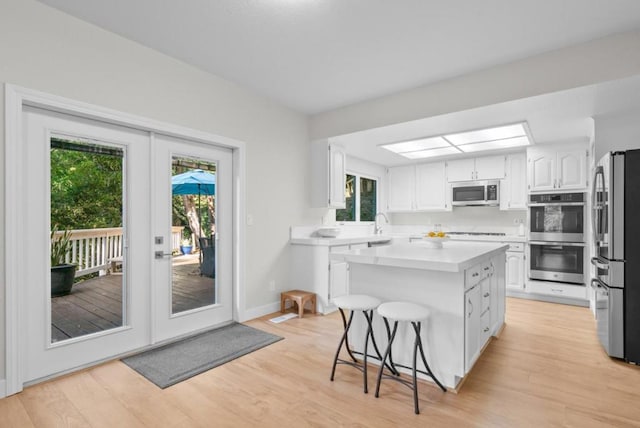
(462,284)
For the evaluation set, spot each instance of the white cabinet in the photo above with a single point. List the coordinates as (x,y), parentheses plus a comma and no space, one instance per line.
(472,306)
(328,163)
(484,306)
(557,168)
(482,168)
(338,279)
(513,189)
(401,181)
(515,270)
(432,189)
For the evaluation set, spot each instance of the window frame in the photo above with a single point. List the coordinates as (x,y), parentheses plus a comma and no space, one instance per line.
(357,202)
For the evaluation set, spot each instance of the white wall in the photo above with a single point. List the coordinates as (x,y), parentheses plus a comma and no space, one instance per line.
(46,50)
(620,131)
(609,58)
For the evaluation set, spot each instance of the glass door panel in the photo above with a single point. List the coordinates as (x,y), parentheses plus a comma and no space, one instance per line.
(87,229)
(193,283)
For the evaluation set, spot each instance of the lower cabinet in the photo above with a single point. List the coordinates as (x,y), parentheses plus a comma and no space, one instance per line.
(515,270)
(484,306)
(338,280)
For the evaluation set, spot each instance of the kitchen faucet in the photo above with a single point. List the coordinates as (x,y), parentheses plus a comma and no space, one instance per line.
(378,228)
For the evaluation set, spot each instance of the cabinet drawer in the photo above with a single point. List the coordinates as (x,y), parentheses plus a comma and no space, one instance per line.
(338,248)
(551,289)
(486,296)
(472,276)
(517,247)
(485,327)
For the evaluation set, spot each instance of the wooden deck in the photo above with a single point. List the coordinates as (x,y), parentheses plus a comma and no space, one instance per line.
(95,305)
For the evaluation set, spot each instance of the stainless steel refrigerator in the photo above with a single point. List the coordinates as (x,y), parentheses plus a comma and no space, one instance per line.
(616,232)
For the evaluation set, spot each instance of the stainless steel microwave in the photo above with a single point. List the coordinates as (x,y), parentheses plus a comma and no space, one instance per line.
(476,193)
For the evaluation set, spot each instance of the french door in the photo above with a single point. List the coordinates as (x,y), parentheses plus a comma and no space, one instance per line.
(132,286)
(192,291)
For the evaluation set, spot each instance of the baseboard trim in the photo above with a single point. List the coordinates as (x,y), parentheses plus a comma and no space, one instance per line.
(260,311)
(3,388)
(550,299)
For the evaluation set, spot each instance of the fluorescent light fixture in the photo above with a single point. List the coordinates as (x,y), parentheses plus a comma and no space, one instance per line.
(499,137)
(431,153)
(415,145)
(496,144)
(489,134)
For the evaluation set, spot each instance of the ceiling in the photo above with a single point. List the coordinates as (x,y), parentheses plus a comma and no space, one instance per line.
(317,55)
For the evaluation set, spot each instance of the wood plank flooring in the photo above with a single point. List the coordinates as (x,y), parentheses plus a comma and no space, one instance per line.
(547,369)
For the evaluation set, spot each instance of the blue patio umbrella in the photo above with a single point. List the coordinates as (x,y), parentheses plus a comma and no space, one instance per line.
(194,182)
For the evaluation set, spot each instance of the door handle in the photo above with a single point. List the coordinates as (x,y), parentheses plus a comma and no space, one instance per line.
(160,254)
(597,263)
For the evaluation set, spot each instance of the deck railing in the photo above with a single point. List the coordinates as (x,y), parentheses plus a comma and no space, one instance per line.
(93,249)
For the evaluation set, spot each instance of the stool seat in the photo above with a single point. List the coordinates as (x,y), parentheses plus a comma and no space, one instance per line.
(403,311)
(356,302)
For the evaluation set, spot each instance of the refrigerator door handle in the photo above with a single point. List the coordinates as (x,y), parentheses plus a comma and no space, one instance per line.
(598,263)
(596,214)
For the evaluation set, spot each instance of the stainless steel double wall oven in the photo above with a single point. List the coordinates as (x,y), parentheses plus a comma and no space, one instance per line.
(556,237)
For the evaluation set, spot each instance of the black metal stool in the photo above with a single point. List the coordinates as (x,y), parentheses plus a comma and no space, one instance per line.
(365,304)
(415,314)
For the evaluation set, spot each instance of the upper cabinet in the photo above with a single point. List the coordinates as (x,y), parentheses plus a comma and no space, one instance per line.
(401,181)
(432,189)
(482,168)
(513,189)
(557,168)
(328,163)
(421,187)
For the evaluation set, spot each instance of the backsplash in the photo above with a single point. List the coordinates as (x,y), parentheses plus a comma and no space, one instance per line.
(466,219)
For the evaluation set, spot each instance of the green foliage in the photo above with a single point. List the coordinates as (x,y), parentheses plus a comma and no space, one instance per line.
(86,189)
(60,246)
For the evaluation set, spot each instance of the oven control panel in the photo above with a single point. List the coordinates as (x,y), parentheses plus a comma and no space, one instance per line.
(557,198)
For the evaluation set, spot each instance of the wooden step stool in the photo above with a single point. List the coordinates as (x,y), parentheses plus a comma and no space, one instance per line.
(300,298)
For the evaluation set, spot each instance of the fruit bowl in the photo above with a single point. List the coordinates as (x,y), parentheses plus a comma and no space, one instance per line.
(435,242)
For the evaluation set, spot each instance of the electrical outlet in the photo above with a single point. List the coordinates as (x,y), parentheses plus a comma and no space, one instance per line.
(272,285)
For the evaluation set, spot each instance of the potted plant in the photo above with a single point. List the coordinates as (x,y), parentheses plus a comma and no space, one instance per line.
(185,246)
(62,274)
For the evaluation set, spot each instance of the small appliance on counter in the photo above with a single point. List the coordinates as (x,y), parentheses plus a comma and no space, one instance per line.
(616,227)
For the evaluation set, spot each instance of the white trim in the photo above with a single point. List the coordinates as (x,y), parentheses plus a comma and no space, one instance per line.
(15,98)
(260,311)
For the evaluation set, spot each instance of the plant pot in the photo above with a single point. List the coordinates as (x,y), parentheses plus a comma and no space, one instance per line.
(186,249)
(62,277)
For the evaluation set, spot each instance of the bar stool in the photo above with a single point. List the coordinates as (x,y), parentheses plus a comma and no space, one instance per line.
(365,304)
(415,314)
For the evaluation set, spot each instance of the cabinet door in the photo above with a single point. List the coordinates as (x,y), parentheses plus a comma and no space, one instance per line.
(432,188)
(542,170)
(472,305)
(490,168)
(461,170)
(572,169)
(513,190)
(337,176)
(338,280)
(515,270)
(401,181)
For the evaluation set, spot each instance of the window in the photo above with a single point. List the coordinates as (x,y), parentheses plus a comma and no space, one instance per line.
(361,196)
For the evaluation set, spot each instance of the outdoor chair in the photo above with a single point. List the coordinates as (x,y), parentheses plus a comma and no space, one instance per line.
(208,261)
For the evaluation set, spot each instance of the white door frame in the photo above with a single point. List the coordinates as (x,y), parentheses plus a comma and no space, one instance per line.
(15,98)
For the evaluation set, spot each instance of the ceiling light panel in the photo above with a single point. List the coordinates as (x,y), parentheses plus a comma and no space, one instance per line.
(431,153)
(489,134)
(494,145)
(416,145)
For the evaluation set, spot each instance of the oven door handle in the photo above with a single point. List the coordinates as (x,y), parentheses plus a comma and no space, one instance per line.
(554,243)
(598,263)
(552,204)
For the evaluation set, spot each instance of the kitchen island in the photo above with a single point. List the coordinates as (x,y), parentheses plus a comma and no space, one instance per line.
(462,284)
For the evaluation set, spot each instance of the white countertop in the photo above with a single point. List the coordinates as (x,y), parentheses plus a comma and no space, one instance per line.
(452,257)
(358,239)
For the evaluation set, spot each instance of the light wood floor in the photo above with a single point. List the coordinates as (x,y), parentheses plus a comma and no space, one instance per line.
(546,370)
